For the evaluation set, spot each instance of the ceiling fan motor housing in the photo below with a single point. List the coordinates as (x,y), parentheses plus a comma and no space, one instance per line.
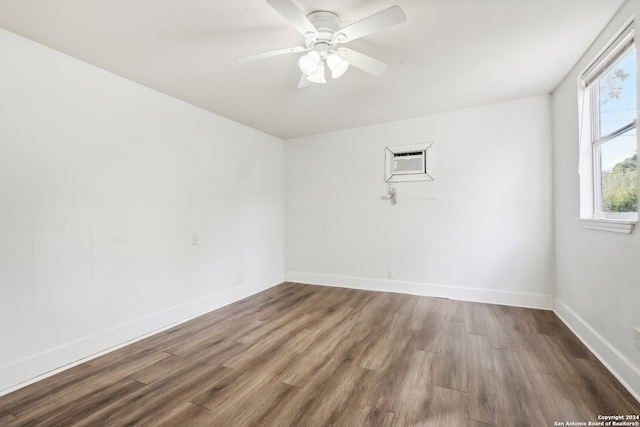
(327,24)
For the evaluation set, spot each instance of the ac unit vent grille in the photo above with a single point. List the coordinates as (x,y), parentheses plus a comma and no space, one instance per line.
(410,153)
(407,163)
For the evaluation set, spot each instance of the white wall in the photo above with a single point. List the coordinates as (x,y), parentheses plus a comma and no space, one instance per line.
(598,272)
(483,230)
(102,183)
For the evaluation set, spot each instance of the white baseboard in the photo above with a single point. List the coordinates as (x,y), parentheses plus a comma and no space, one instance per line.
(37,367)
(617,363)
(518,299)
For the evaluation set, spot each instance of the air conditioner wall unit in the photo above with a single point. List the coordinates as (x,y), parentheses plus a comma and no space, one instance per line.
(407,163)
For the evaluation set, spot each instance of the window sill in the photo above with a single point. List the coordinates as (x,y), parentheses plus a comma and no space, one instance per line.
(624,226)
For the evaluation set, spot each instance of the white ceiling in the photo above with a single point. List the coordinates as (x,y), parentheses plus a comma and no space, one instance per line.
(450,54)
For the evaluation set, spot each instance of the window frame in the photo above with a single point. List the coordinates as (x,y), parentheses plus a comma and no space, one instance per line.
(591,210)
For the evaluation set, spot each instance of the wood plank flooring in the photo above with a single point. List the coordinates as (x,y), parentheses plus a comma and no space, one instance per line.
(301,355)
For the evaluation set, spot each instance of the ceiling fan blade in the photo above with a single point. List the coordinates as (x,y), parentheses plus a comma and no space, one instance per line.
(365,62)
(303,82)
(376,22)
(254,56)
(291,13)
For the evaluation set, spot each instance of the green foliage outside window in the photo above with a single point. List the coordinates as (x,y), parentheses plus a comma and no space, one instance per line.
(620,187)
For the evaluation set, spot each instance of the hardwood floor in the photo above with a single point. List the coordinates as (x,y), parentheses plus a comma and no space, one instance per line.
(301,355)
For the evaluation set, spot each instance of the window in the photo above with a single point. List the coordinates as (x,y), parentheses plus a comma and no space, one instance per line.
(608,142)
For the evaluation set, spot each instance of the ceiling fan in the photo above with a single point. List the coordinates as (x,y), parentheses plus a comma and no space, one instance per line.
(323,36)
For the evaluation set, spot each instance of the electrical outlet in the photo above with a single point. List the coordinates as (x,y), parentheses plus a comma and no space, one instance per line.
(194,239)
(391,274)
(636,336)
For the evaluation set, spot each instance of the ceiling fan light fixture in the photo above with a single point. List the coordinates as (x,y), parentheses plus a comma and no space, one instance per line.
(318,77)
(337,64)
(310,63)
(323,32)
